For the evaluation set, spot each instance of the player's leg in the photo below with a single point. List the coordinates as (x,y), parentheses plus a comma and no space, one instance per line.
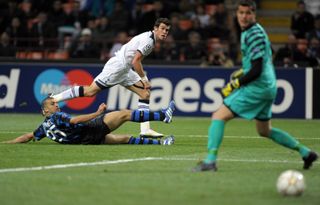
(99,130)
(116,139)
(78,91)
(143,104)
(216,131)
(115,119)
(109,76)
(215,136)
(234,104)
(265,129)
(144,115)
(283,138)
(137,86)
(127,139)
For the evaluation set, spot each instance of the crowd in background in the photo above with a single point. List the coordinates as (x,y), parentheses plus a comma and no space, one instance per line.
(303,45)
(203,32)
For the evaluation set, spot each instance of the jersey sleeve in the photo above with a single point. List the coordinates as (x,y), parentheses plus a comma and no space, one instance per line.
(256,44)
(61,118)
(254,72)
(39,133)
(145,47)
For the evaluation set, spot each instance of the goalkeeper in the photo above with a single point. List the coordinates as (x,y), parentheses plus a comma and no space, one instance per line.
(251,92)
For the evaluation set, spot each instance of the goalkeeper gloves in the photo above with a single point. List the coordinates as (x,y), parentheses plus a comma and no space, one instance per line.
(236,74)
(227,90)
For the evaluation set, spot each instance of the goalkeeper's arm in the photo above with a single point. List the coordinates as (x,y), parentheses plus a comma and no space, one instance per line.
(252,75)
(254,72)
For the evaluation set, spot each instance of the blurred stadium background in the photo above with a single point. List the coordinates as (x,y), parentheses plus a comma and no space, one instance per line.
(204,32)
(48,45)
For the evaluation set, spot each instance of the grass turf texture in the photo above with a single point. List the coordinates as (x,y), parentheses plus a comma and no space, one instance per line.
(248,167)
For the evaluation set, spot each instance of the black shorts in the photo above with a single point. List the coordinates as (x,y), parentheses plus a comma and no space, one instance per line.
(95,131)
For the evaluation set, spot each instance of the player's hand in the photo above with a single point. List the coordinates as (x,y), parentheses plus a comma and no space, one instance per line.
(227,90)
(102,108)
(236,74)
(147,85)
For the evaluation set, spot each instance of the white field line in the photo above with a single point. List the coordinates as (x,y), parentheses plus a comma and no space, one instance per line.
(121,161)
(194,136)
(80,164)
(244,137)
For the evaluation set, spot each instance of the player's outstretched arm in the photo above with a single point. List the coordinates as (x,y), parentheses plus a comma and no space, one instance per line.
(84,118)
(22,139)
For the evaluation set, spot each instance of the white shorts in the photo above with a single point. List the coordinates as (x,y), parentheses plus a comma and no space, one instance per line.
(114,73)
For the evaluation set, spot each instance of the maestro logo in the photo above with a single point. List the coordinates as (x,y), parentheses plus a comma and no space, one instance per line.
(56,81)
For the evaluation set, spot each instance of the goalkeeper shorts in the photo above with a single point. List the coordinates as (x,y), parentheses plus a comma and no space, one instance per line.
(245,105)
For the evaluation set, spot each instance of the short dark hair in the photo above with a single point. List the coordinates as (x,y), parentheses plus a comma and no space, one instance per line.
(165,21)
(44,101)
(249,3)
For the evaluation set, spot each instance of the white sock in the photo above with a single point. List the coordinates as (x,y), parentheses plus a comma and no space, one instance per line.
(67,94)
(144,105)
(144,126)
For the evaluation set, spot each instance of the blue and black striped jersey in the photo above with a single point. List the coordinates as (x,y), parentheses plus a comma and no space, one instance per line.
(58,128)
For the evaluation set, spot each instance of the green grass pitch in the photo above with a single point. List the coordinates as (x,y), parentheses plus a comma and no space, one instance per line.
(248,167)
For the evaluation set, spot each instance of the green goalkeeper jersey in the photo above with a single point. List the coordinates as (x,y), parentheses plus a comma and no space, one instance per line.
(255,44)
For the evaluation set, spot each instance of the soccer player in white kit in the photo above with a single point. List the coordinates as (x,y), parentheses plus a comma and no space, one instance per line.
(118,70)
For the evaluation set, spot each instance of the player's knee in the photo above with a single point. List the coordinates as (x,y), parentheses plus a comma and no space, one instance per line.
(125,115)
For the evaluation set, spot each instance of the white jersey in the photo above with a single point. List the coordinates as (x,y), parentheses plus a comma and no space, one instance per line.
(144,43)
(118,69)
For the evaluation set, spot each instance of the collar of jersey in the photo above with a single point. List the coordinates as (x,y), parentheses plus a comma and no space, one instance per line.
(247,28)
(153,38)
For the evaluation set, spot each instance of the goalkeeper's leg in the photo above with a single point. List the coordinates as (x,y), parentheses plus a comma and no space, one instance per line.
(215,136)
(285,139)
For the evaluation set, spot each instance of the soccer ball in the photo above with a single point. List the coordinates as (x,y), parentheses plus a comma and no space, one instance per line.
(291,183)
